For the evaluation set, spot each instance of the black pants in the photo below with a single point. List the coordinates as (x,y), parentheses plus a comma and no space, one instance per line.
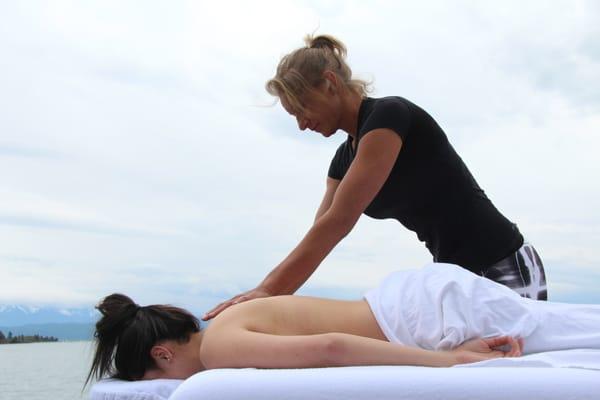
(522,271)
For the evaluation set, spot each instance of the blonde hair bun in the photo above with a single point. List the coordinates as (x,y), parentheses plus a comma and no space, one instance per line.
(302,70)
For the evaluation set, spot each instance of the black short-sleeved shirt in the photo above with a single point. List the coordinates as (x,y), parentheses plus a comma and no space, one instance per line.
(430,190)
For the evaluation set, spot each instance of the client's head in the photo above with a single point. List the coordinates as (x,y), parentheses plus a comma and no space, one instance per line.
(133,342)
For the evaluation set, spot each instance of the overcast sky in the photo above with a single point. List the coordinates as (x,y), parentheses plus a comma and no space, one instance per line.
(140,153)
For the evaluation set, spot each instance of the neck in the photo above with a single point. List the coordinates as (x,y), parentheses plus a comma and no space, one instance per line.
(183,363)
(350,106)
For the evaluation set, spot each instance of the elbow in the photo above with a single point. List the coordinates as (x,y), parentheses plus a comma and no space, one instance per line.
(342,223)
(333,350)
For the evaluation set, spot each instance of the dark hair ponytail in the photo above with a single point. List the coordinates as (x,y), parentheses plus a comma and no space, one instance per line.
(126,332)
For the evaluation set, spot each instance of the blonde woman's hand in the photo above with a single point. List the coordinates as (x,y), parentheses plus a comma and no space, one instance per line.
(485,349)
(255,293)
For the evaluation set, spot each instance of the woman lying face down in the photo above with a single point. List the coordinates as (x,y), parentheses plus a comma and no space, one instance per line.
(434,316)
(160,341)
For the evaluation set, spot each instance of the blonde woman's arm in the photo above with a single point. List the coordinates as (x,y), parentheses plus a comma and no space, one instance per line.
(368,172)
(331,187)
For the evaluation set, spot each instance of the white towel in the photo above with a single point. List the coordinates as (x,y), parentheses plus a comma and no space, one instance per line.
(442,305)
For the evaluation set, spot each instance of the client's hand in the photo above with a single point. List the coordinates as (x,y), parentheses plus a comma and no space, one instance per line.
(249,295)
(484,349)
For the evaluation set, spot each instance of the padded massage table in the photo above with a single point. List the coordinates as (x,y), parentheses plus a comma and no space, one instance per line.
(560,375)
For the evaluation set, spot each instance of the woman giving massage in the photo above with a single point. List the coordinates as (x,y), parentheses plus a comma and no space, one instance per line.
(396,163)
(438,316)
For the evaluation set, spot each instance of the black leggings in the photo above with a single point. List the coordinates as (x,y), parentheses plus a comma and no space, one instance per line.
(521,271)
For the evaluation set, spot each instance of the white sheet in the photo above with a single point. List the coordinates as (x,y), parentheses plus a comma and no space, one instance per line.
(392,383)
(576,358)
(114,389)
(441,306)
(569,374)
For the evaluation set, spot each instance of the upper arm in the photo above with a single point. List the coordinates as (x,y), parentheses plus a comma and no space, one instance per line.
(240,347)
(331,187)
(376,156)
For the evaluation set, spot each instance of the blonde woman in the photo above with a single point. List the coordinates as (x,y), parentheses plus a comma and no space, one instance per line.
(396,163)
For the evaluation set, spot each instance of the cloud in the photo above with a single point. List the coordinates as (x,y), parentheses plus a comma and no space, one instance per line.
(79,226)
(561,58)
(140,156)
(27,152)
(568,282)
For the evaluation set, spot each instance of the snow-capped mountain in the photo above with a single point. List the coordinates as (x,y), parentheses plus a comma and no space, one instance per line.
(16,315)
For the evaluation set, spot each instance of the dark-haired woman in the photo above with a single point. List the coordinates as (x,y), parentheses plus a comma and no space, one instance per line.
(396,163)
(420,317)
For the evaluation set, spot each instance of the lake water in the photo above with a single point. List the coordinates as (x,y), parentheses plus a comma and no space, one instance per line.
(44,371)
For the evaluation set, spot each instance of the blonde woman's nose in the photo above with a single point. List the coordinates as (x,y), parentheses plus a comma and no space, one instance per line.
(302,123)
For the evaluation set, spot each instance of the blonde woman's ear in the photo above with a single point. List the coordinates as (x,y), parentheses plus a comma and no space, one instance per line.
(331,81)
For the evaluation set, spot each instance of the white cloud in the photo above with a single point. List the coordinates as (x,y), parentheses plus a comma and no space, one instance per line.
(138,156)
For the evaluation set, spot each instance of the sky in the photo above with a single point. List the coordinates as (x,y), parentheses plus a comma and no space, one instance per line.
(140,153)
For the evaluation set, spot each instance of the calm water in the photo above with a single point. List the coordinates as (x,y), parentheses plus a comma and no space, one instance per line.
(44,371)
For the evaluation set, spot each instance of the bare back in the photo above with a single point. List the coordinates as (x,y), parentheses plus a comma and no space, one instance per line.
(300,315)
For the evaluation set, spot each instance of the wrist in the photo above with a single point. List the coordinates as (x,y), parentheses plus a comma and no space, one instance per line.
(277,282)
(264,287)
(447,358)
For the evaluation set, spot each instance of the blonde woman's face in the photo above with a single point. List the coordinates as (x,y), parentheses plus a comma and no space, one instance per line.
(320,113)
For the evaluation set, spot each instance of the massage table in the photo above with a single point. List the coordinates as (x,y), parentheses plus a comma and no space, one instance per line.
(561,375)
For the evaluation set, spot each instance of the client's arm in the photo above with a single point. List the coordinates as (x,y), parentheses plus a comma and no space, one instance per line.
(242,348)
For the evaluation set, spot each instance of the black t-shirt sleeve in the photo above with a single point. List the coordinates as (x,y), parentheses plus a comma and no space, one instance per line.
(390,113)
(336,168)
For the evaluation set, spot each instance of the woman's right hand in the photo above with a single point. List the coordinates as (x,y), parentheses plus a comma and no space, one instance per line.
(255,293)
(487,348)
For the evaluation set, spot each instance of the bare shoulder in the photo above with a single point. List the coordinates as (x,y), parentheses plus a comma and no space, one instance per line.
(268,307)
(287,314)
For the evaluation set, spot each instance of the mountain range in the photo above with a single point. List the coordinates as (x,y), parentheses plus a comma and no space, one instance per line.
(14,315)
(62,323)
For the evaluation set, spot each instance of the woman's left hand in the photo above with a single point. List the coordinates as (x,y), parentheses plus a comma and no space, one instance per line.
(487,348)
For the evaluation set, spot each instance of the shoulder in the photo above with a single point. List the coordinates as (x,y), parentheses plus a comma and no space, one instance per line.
(242,316)
(391,101)
(395,104)
(387,112)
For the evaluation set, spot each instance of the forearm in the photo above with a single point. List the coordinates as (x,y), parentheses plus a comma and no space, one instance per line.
(299,265)
(347,350)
